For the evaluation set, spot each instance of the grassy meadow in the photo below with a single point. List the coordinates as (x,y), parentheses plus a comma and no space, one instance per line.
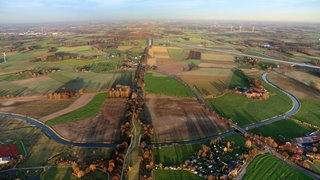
(166,86)
(286,129)
(175,175)
(268,167)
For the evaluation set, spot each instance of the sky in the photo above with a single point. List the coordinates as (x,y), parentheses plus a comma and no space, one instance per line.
(24,11)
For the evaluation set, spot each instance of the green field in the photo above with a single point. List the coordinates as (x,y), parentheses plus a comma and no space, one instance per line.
(238,79)
(246,111)
(175,175)
(268,167)
(166,86)
(177,53)
(63,173)
(174,155)
(81,50)
(309,112)
(286,128)
(89,110)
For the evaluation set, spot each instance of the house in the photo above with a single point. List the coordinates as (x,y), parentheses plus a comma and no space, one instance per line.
(4,160)
(306,141)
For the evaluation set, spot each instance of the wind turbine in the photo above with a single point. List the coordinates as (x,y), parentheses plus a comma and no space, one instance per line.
(4,57)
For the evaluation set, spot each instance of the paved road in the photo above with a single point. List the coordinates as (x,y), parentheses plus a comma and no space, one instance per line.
(237,53)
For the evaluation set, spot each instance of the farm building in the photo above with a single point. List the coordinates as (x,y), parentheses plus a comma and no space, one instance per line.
(8,151)
(306,141)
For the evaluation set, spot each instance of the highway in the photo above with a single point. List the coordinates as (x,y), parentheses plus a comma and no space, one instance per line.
(237,53)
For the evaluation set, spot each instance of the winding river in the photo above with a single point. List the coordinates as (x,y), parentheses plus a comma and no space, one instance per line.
(49,131)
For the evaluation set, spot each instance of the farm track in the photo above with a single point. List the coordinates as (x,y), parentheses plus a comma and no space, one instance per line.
(80,102)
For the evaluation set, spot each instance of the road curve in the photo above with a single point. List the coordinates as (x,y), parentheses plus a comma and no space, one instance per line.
(56,137)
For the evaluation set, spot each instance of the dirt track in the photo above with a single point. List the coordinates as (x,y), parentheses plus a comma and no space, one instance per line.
(80,102)
(181,118)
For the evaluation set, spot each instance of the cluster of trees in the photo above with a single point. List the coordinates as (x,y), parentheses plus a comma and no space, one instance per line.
(63,93)
(97,67)
(120,92)
(289,150)
(147,130)
(247,60)
(37,71)
(146,160)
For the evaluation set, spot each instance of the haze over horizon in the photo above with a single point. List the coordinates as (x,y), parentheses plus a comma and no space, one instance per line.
(32,11)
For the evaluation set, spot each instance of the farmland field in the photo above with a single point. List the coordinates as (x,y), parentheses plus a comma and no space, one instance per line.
(166,86)
(246,111)
(208,81)
(65,173)
(286,128)
(178,53)
(212,56)
(90,110)
(267,167)
(308,98)
(102,127)
(80,50)
(309,112)
(181,118)
(175,175)
(174,155)
(34,107)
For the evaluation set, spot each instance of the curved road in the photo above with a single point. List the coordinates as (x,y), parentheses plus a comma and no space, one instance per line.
(57,138)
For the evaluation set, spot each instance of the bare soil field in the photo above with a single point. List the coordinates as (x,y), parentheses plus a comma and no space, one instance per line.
(159,52)
(80,102)
(180,118)
(8,123)
(171,68)
(208,86)
(35,107)
(217,64)
(103,128)
(217,56)
(293,87)
(209,72)
(301,76)
(253,72)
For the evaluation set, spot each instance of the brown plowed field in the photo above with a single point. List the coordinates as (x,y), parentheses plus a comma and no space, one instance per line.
(80,102)
(180,118)
(103,128)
